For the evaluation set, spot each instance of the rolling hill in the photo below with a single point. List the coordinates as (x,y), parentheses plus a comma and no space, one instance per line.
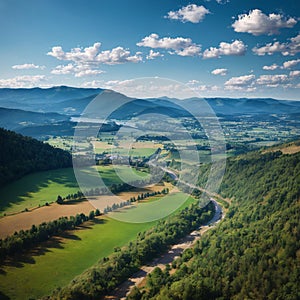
(22,155)
(73,101)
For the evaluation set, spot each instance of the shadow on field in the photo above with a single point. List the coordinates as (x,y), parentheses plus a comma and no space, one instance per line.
(55,242)
(3,296)
(14,192)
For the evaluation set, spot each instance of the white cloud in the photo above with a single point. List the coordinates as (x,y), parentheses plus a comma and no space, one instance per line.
(77,70)
(240,83)
(295,73)
(272,80)
(63,70)
(190,13)
(221,72)
(181,46)
(290,63)
(237,48)
(87,72)
(93,56)
(289,48)
(152,54)
(271,68)
(86,61)
(92,84)
(193,82)
(257,23)
(25,81)
(27,67)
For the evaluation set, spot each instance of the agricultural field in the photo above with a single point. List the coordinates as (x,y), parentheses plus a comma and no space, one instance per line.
(58,261)
(153,208)
(125,147)
(37,189)
(94,240)
(42,187)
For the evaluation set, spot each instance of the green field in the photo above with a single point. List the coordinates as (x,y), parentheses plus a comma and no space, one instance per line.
(153,210)
(38,188)
(58,262)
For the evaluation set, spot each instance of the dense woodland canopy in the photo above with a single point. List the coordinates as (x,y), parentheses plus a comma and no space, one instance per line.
(22,155)
(255,251)
(111,271)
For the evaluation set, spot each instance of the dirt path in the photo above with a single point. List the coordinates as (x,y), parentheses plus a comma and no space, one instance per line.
(187,242)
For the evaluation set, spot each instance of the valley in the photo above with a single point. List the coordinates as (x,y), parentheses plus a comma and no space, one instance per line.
(151,172)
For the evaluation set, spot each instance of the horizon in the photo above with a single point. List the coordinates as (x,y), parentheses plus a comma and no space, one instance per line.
(146,98)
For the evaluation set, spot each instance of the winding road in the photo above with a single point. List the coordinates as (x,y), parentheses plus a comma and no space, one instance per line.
(174,252)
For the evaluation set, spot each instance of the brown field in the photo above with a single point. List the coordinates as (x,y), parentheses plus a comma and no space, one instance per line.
(102,202)
(24,220)
(285,150)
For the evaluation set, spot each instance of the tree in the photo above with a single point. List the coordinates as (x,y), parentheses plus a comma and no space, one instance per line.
(59,200)
(97,212)
(91,215)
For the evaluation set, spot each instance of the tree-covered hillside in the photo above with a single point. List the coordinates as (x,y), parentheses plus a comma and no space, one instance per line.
(21,155)
(255,252)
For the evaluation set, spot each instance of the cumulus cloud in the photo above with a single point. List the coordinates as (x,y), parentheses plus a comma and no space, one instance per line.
(291,63)
(221,72)
(179,45)
(25,81)
(27,67)
(190,13)
(295,73)
(92,55)
(289,48)
(92,84)
(237,48)
(271,67)
(240,83)
(77,70)
(152,54)
(258,23)
(86,61)
(272,80)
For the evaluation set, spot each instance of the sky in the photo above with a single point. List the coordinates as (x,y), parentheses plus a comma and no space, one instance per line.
(218,48)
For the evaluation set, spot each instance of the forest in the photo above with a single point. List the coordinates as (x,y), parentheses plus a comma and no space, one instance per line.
(22,155)
(255,252)
(111,271)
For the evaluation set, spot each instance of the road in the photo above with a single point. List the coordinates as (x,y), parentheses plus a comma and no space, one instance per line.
(187,242)
(174,176)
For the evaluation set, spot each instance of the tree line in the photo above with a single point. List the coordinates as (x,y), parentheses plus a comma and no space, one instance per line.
(111,271)
(26,239)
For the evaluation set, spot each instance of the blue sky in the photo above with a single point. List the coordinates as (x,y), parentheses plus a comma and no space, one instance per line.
(235,48)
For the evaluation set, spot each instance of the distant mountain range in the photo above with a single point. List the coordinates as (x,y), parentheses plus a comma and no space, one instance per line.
(72,101)
(29,110)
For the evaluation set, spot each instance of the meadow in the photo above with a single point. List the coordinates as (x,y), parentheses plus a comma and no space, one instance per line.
(153,208)
(39,188)
(58,261)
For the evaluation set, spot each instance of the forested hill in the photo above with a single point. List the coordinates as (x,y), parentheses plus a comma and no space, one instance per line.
(255,252)
(21,155)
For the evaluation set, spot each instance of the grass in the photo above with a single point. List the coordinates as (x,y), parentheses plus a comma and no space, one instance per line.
(38,188)
(150,210)
(61,259)
(65,259)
